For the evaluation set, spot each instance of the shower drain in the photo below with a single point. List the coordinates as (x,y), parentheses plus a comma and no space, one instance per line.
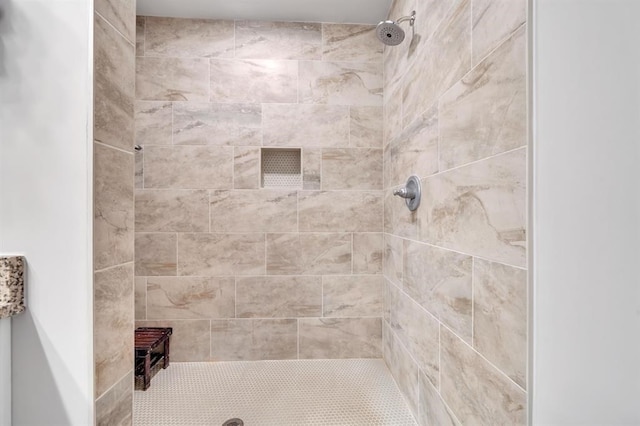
(233,422)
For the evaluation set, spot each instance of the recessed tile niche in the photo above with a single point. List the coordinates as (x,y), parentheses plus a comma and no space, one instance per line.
(281,168)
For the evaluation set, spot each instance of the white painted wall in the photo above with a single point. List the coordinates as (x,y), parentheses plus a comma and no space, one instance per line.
(586,212)
(45,203)
(5,371)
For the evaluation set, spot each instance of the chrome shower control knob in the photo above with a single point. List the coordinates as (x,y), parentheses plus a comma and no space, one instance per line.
(411,192)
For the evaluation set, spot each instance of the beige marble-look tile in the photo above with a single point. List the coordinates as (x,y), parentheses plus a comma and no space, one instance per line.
(445,58)
(253,339)
(368,249)
(114,77)
(340,211)
(419,333)
(115,407)
(390,294)
(190,341)
(500,317)
(278,40)
(121,14)
(190,298)
(246,167)
(340,83)
(196,123)
(339,338)
(188,167)
(415,151)
(262,210)
(113,212)
(397,58)
(156,254)
(140,23)
(312,168)
(440,280)
(352,296)
(403,369)
(493,21)
(350,42)
(429,15)
(153,123)
(113,325)
(398,219)
(479,209)
(308,254)
(172,79)
(254,81)
(352,168)
(173,210)
(175,37)
(138,173)
(392,110)
(366,127)
(485,113)
(433,410)
(315,125)
(221,254)
(140,298)
(273,297)
(393,257)
(475,390)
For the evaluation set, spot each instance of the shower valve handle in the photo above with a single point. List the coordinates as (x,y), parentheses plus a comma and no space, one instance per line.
(411,192)
(405,193)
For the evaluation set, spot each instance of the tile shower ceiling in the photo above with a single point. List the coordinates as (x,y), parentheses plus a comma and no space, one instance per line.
(340,11)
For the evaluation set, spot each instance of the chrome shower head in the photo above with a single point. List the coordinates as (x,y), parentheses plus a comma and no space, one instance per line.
(390,33)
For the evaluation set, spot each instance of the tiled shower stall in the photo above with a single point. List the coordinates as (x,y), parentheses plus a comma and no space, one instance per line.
(246,269)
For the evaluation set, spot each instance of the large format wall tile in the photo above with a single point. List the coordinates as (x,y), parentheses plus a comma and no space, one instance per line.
(403,369)
(475,390)
(341,83)
(493,21)
(368,253)
(366,127)
(350,42)
(306,125)
(393,258)
(140,294)
(114,78)
(308,254)
(433,410)
(440,280)
(115,407)
(352,296)
(261,210)
(121,14)
(188,167)
(190,341)
(500,317)
(272,297)
(415,152)
(140,23)
(221,254)
(190,298)
(340,211)
(172,79)
(246,167)
(113,220)
(485,113)
(253,339)
(253,81)
(197,123)
(445,58)
(188,37)
(172,210)
(323,338)
(419,333)
(479,209)
(312,168)
(153,123)
(113,325)
(156,254)
(352,168)
(278,40)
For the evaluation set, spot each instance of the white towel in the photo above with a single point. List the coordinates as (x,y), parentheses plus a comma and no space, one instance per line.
(11,286)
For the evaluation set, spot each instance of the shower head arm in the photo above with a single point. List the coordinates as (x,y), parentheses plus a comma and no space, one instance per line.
(411,18)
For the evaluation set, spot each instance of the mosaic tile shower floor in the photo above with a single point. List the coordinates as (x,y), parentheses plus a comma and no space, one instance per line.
(265,393)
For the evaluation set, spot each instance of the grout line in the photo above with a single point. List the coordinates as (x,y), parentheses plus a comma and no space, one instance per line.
(106,145)
(117,31)
(108,268)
